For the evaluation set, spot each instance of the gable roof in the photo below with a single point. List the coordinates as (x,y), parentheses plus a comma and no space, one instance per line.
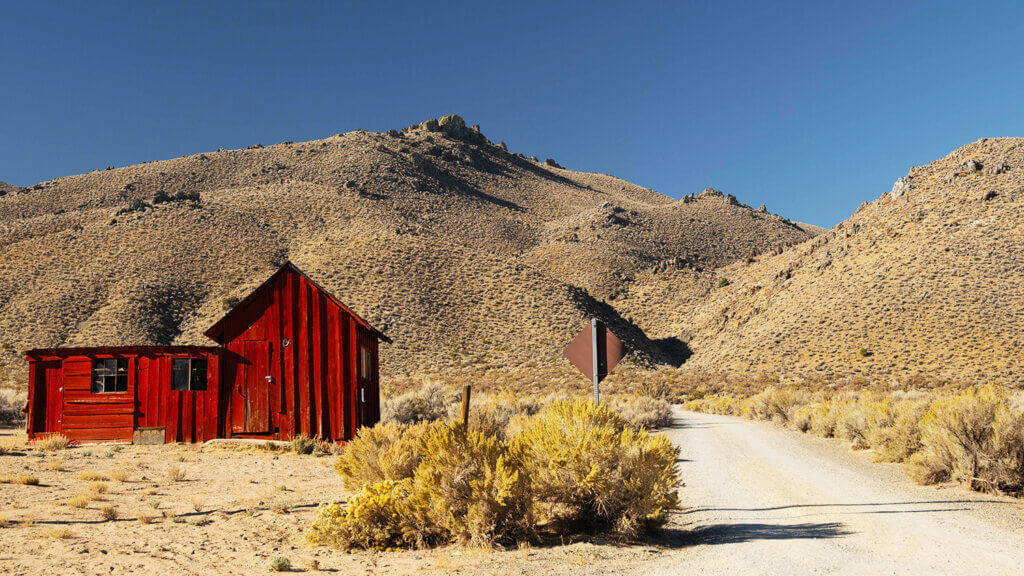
(292,267)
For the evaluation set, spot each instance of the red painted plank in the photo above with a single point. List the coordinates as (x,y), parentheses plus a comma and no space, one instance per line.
(316,369)
(352,384)
(302,359)
(97,421)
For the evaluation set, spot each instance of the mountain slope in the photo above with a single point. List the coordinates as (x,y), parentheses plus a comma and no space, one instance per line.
(454,246)
(924,282)
(6,188)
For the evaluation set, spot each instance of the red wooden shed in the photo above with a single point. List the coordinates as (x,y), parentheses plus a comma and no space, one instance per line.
(290,359)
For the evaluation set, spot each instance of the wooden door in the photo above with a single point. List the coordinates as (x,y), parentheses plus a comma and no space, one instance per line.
(255,384)
(53,373)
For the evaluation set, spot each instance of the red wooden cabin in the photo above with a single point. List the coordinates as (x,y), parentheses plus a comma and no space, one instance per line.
(290,359)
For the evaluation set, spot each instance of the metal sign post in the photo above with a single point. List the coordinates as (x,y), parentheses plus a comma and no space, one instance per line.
(595,352)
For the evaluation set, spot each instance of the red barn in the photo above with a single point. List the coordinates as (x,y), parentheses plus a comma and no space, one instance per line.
(290,359)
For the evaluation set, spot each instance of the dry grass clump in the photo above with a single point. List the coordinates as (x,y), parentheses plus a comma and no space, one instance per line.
(52,442)
(92,475)
(26,480)
(774,404)
(428,404)
(430,484)
(55,533)
(973,436)
(13,443)
(144,518)
(80,501)
(176,473)
(119,475)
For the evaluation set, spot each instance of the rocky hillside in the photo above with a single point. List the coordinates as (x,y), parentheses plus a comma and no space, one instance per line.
(465,253)
(925,282)
(6,188)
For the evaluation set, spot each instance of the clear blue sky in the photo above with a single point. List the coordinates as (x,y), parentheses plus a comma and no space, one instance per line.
(809,108)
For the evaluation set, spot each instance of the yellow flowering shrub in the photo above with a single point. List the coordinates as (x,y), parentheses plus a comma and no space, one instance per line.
(372,520)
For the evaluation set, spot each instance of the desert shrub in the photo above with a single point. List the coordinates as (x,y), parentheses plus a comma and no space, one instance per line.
(27,480)
(428,404)
(901,438)
(825,416)
(492,415)
(800,419)
(303,444)
(861,418)
(372,520)
(280,564)
(387,451)
(109,512)
(773,404)
(119,475)
(957,437)
(468,488)
(1007,470)
(590,471)
(643,411)
(51,442)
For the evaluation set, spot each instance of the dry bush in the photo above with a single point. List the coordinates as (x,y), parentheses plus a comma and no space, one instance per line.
(26,480)
(52,442)
(642,411)
(428,404)
(861,417)
(144,518)
(902,436)
(973,438)
(825,416)
(468,489)
(492,414)
(119,475)
(56,466)
(10,406)
(108,512)
(387,451)
(6,479)
(303,444)
(13,443)
(371,520)
(774,404)
(590,471)
(176,473)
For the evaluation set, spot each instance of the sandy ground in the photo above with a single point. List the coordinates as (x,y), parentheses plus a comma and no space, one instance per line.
(760,500)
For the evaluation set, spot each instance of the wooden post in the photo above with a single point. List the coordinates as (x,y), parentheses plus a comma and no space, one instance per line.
(465,405)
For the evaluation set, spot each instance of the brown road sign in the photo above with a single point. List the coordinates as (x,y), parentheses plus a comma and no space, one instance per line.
(595,345)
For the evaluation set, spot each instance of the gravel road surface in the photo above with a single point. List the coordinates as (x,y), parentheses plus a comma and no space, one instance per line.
(765,500)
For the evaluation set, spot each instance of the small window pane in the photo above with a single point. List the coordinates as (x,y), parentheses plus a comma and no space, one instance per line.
(179,374)
(109,375)
(198,379)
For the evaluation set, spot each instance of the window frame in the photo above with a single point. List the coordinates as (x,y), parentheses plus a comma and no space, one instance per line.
(365,362)
(192,373)
(118,375)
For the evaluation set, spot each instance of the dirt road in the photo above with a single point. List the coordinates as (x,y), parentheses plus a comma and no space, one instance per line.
(770,501)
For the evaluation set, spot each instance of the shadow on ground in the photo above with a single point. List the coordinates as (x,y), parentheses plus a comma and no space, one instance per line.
(738,533)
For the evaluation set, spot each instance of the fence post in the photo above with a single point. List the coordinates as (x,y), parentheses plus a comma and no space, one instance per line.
(465,405)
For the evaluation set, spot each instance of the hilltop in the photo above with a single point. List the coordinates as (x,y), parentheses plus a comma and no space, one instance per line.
(6,188)
(923,283)
(464,253)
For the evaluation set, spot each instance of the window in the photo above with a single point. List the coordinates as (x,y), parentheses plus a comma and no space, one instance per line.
(188,374)
(109,375)
(365,362)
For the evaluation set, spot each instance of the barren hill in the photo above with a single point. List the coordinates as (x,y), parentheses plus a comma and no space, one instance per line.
(6,188)
(464,253)
(926,281)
